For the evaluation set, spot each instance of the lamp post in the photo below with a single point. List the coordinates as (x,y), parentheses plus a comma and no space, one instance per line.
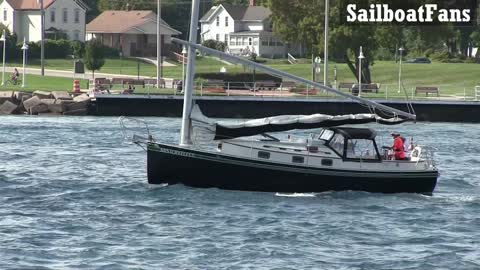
(318,61)
(25,49)
(4,40)
(335,76)
(360,57)
(400,70)
(159,43)
(325,67)
(184,52)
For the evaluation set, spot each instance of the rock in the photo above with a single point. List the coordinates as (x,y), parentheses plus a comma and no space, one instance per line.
(76,112)
(61,95)
(76,106)
(42,94)
(4,99)
(6,94)
(48,101)
(82,98)
(56,108)
(31,102)
(20,95)
(40,108)
(7,108)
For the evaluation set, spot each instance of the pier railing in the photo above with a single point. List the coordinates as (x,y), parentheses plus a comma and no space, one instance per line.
(412,91)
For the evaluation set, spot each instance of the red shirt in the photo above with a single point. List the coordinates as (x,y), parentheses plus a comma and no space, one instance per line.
(398,148)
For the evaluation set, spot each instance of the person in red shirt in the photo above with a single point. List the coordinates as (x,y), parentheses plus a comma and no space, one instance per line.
(398,148)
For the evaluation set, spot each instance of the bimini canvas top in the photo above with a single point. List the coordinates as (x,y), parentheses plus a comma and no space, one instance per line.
(234,129)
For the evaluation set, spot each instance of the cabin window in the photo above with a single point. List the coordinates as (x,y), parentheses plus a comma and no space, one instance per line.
(298,159)
(337,143)
(327,162)
(263,154)
(361,149)
(326,135)
(52,15)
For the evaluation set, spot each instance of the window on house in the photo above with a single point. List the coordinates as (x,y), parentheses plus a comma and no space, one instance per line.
(250,41)
(226,21)
(52,15)
(76,35)
(77,15)
(264,42)
(217,37)
(5,15)
(255,41)
(218,20)
(65,15)
(226,38)
(233,42)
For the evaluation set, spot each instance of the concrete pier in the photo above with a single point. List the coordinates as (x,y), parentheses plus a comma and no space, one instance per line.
(256,107)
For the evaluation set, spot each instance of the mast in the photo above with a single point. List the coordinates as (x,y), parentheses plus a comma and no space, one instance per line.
(187,102)
(279,73)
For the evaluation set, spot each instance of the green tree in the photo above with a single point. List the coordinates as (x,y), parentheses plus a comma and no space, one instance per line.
(94,55)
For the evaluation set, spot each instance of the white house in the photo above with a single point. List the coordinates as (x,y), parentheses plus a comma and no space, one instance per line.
(245,30)
(63,17)
(132,32)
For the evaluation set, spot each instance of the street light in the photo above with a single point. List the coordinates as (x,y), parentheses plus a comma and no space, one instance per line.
(400,70)
(360,57)
(159,43)
(325,68)
(184,52)
(25,49)
(4,40)
(317,61)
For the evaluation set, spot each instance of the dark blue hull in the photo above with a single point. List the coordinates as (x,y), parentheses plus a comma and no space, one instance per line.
(172,165)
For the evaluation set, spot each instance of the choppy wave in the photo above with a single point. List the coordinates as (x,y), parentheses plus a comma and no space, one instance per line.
(73,196)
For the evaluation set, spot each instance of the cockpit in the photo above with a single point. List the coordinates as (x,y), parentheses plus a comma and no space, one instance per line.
(355,144)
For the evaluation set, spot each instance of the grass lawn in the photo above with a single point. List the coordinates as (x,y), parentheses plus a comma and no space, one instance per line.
(452,78)
(35,82)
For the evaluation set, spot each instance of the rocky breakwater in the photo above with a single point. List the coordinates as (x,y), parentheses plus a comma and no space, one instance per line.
(43,103)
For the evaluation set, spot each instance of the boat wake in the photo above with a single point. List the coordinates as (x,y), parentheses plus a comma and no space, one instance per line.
(296,195)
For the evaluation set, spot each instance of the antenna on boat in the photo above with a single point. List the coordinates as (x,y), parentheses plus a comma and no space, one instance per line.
(188,94)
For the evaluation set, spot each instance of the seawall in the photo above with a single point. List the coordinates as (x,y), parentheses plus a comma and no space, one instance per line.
(256,107)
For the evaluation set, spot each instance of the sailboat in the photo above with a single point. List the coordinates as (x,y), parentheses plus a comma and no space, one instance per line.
(336,157)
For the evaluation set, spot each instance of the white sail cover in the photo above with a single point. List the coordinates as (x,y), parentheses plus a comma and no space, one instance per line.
(235,129)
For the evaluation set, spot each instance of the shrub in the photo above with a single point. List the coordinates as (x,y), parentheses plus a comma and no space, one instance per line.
(216,45)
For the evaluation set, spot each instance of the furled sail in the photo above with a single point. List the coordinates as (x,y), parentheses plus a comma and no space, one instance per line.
(234,129)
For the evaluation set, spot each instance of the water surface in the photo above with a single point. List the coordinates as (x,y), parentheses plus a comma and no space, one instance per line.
(73,196)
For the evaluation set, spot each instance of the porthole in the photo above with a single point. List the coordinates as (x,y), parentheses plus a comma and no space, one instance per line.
(298,159)
(263,154)
(327,162)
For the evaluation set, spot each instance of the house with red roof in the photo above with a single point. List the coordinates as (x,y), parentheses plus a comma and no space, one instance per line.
(63,18)
(133,32)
